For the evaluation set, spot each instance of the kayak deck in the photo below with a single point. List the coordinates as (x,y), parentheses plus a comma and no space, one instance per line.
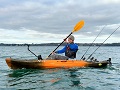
(48,64)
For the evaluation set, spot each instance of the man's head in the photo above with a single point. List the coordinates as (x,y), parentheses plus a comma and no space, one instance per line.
(71,39)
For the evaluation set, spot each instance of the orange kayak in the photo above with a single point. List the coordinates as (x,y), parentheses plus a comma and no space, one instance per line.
(48,64)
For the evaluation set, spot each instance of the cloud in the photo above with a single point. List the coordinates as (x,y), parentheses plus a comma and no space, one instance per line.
(48,18)
(28,36)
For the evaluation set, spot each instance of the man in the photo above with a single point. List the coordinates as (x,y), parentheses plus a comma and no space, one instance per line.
(69,49)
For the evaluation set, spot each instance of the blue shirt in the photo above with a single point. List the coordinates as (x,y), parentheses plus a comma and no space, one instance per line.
(73,47)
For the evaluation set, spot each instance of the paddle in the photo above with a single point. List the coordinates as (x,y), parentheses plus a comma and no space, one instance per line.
(77,27)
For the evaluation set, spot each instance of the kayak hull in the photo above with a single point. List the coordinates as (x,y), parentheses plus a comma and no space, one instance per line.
(49,64)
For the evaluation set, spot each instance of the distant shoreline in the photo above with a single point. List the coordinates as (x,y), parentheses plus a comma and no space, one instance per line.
(56,44)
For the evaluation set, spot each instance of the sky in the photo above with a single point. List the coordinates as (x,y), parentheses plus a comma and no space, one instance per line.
(50,21)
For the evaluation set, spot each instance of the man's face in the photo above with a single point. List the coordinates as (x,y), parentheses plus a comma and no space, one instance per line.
(70,40)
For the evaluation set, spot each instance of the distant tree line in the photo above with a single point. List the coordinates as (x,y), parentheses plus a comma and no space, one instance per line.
(56,44)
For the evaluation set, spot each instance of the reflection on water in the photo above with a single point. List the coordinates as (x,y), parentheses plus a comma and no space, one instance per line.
(22,72)
(61,79)
(37,78)
(75,77)
(45,78)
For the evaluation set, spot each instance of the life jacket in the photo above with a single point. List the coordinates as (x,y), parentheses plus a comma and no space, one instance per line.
(70,53)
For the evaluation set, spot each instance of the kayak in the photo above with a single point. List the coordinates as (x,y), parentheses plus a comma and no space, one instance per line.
(50,64)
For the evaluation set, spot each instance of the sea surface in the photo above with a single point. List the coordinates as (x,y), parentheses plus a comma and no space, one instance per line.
(60,79)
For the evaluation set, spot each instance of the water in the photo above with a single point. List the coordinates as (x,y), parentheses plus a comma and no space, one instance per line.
(59,79)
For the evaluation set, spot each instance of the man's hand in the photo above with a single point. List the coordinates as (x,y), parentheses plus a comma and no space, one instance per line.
(53,53)
(66,40)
